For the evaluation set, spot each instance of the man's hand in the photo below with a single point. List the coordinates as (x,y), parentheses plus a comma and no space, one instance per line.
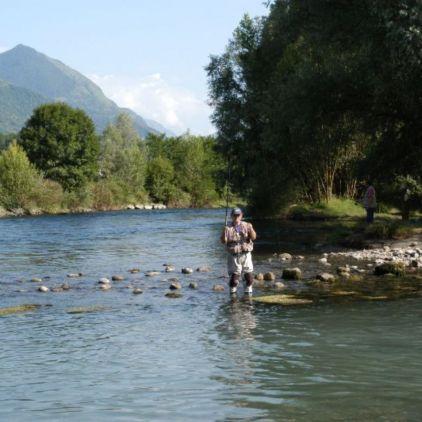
(223,237)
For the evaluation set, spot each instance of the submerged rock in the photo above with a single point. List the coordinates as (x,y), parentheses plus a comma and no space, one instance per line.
(105,286)
(152,273)
(285,300)
(74,275)
(170,269)
(137,291)
(135,270)
(117,278)
(36,280)
(187,270)
(193,285)
(218,288)
(396,268)
(278,285)
(292,274)
(204,269)
(43,289)
(269,276)
(65,286)
(18,309)
(85,309)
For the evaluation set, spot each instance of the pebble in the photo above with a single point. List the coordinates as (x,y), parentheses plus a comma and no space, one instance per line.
(187,270)
(117,278)
(137,291)
(175,286)
(193,285)
(43,289)
(218,288)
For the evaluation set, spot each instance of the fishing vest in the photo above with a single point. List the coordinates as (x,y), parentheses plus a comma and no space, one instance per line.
(237,242)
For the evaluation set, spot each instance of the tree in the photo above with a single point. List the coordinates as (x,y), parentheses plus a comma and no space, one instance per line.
(160,180)
(18,178)
(62,143)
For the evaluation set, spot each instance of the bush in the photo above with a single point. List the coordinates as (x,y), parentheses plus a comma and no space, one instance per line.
(18,178)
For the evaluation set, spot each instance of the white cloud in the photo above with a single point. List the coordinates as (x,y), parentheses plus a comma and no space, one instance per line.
(154,98)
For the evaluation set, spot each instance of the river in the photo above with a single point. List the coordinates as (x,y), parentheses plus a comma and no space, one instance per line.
(198,357)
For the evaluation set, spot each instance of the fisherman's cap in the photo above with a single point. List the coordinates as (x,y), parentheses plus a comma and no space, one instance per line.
(236,211)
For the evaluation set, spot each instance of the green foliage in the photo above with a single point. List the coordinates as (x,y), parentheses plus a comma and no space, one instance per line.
(61,142)
(160,180)
(304,98)
(18,178)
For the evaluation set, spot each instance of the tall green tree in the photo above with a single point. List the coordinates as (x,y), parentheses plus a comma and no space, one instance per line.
(62,143)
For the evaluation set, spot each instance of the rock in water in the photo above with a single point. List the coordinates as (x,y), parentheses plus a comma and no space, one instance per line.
(43,289)
(187,270)
(193,285)
(218,288)
(117,278)
(278,285)
(169,269)
(396,268)
(285,257)
(152,273)
(173,295)
(175,286)
(137,291)
(65,286)
(259,277)
(103,281)
(134,270)
(203,269)
(292,274)
(285,300)
(74,275)
(323,260)
(269,276)
(36,280)
(105,287)
(326,277)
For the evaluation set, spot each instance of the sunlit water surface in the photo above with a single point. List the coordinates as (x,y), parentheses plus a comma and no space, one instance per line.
(199,357)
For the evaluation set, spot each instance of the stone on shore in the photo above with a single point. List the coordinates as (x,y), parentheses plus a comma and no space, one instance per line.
(187,270)
(326,277)
(292,274)
(43,289)
(396,268)
(117,278)
(269,276)
(218,288)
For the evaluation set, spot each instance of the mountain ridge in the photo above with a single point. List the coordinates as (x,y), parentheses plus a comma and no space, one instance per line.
(51,80)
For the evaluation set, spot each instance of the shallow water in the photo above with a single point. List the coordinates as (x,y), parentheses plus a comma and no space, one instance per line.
(200,357)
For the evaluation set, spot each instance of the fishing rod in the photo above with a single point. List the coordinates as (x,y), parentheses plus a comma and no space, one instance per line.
(227,191)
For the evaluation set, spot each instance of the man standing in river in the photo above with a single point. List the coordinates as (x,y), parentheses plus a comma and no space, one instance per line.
(238,236)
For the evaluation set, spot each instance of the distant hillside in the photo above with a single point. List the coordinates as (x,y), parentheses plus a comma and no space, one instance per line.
(16,105)
(51,80)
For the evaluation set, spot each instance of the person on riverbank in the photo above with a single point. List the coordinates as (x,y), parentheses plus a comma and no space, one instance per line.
(238,236)
(370,203)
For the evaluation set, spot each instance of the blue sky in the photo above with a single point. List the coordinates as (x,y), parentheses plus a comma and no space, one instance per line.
(147,55)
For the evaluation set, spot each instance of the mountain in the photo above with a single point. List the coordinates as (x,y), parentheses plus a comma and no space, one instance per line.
(159,127)
(32,78)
